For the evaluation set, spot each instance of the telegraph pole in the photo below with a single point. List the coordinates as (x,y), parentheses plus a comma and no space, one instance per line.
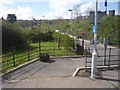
(94,54)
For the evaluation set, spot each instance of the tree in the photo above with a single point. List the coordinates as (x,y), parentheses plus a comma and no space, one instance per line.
(11,35)
(77,10)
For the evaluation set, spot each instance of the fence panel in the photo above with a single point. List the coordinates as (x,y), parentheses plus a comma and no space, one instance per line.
(105,58)
(16,56)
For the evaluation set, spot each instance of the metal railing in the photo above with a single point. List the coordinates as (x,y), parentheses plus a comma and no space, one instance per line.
(15,56)
(106,57)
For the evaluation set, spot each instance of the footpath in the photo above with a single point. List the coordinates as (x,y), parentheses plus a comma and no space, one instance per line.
(58,74)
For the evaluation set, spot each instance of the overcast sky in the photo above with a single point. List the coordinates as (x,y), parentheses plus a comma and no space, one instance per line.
(51,9)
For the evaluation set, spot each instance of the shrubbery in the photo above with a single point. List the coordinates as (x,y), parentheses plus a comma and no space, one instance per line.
(110,28)
(11,35)
(17,33)
(65,41)
(36,35)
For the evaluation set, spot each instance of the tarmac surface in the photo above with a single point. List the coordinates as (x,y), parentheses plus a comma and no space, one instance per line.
(57,73)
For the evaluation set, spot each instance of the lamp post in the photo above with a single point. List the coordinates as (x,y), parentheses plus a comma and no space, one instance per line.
(94,54)
(71,16)
(44,22)
(71,13)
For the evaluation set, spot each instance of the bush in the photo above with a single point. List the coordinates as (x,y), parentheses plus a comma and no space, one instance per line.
(109,28)
(48,36)
(11,35)
(36,35)
(55,36)
(65,41)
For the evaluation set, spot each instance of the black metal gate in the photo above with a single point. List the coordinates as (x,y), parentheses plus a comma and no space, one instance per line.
(106,57)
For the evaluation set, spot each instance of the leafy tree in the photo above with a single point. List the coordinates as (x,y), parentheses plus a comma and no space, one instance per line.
(109,28)
(11,35)
(65,41)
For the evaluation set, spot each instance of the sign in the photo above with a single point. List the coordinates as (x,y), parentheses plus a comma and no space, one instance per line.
(92,17)
(94,29)
(105,42)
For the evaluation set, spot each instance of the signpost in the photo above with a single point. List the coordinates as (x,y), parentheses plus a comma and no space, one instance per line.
(94,29)
(92,17)
(94,54)
(71,18)
(105,43)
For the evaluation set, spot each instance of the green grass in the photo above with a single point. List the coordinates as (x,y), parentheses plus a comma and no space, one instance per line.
(25,53)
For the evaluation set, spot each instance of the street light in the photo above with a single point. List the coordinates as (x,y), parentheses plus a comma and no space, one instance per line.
(94,54)
(58,31)
(44,22)
(71,17)
(71,13)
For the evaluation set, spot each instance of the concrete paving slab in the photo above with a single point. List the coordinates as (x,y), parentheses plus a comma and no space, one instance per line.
(112,76)
(7,84)
(64,82)
(27,83)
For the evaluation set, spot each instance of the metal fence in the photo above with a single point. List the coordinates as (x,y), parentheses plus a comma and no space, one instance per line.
(106,57)
(15,56)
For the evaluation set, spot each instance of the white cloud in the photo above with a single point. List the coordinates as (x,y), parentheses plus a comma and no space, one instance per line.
(60,8)
(20,12)
(3,8)
(6,2)
(31,0)
(84,9)
(24,12)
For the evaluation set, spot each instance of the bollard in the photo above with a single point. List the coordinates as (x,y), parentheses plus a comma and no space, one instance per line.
(94,65)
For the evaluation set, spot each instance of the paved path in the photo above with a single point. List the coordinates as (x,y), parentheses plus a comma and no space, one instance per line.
(58,74)
(109,81)
(56,67)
